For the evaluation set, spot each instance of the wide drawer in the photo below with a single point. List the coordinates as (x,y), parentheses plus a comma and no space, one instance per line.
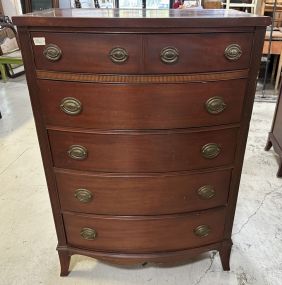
(143,151)
(129,53)
(141,106)
(142,195)
(187,53)
(81,52)
(144,234)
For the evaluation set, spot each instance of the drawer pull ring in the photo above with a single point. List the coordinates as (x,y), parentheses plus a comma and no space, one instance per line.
(77,152)
(89,234)
(215,105)
(118,55)
(211,150)
(206,192)
(52,52)
(83,195)
(202,231)
(71,106)
(233,52)
(169,55)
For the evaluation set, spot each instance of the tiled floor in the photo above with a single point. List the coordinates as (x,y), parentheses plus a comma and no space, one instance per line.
(27,233)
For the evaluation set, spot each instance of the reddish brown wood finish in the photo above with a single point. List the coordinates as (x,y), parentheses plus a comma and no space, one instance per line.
(162,258)
(197,53)
(143,152)
(64,257)
(145,234)
(275,135)
(89,52)
(160,238)
(143,78)
(140,106)
(142,19)
(160,194)
(243,133)
(42,135)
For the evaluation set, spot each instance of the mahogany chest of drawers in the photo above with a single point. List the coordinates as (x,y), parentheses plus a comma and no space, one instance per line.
(142,118)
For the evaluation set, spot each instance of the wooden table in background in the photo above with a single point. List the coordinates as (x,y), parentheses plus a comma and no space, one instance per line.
(276,49)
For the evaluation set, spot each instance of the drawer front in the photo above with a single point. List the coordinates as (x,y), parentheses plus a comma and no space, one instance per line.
(142,195)
(144,234)
(143,151)
(88,52)
(140,106)
(187,53)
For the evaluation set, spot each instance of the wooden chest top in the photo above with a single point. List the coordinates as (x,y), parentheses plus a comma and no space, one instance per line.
(132,18)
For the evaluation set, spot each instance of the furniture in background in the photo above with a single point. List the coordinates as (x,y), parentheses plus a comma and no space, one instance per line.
(267,6)
(10,54)
(275,135)
(212,4)
(276,49)
(273,39)
(245,5)
(29,6)
(150,171)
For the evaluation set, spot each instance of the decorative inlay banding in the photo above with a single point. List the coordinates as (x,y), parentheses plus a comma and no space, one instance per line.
(141,79)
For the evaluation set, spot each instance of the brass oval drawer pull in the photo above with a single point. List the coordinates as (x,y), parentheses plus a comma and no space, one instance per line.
(202,231)
(211,150)
(77,152)
(206,192)
(233,52)
(52,52)
(71,106)
(169,55)
(88,233)
(83,195)
(215,105)
(118,55)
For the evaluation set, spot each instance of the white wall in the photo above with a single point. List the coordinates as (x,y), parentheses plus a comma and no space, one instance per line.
(11,7)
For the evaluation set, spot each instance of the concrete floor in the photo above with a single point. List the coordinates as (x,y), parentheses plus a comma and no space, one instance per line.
(27,233)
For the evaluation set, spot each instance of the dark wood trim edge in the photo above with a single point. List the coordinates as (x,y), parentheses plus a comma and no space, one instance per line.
(244,129)
(42,134)
(159,257)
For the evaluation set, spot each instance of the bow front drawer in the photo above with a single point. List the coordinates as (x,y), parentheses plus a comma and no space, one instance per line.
(141,106)
(129,54)
(159,194)
(186,53)
(144,234)
(143,151)
(84,52)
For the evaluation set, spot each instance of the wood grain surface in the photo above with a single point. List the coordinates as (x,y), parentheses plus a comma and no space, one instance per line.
(133,234)
(141,106)
(143,152)
(143,194)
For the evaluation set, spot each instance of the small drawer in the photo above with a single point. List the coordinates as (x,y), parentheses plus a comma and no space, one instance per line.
(145,233)
(142,195)
(141,106)
(84,52)
(131,152)
(187,53)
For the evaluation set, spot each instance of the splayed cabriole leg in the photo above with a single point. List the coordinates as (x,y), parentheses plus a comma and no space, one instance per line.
(279,172)
(268,145)
(65,262)
(224,254)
